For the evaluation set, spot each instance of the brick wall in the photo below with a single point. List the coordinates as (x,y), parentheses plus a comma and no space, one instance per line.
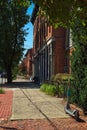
(29,62)
(59,49)
(43,37)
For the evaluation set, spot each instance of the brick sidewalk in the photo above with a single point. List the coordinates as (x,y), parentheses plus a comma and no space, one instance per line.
(45,124)
(6,105)
(37,124)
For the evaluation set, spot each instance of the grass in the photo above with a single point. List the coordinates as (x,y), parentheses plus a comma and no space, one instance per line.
(2,91)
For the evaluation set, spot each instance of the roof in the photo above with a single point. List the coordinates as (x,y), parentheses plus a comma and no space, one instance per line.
(28,51)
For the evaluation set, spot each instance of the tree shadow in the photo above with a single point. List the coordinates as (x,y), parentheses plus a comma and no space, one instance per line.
(81,120)
(21,84)
(8,128)
(46,117)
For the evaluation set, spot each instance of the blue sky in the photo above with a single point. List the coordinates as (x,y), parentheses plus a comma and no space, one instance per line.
(29,38)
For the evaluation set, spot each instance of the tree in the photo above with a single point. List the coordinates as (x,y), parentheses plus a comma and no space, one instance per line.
(13,17)
(62,12)
(79,64)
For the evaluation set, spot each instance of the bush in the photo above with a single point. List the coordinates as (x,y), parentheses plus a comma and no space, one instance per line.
(53,90)
(43,87)
(79,64)
(53,77)
(1,91)
(63,80)
(48,88)
(62,77)
(83,98)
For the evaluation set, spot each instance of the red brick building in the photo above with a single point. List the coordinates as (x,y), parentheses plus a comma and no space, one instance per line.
(28,62)
(51,48)
(50,52)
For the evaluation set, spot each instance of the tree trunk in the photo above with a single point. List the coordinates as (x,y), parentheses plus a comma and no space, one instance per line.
(9,75)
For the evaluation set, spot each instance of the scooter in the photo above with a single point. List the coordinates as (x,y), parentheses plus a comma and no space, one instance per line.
(74,113)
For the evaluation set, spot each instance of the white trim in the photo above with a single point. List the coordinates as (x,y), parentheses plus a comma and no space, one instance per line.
(48,42)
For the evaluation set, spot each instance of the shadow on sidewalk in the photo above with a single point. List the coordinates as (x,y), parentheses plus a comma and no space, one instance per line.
(21,84)
(81,120)
(8,128)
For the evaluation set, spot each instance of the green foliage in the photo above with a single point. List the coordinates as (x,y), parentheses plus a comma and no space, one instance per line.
(43,87)
(24,3)
(13,18)
(53,90)
(62,80)
(62,91)
(79,64)
(62,77)
(62,13)
(2,91)
(49,89)
(15,72)
(1,69)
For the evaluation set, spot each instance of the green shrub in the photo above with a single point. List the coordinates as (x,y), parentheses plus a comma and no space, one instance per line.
(62,77)
(79,65)
(53,90)
(52,77)
(63,80)
(48,88)
(1,91)
(62,91)
(83,98)
(43,87)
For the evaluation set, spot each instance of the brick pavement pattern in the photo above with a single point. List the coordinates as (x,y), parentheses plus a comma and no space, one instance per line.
(37,124)
(6,105)
(45,124)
